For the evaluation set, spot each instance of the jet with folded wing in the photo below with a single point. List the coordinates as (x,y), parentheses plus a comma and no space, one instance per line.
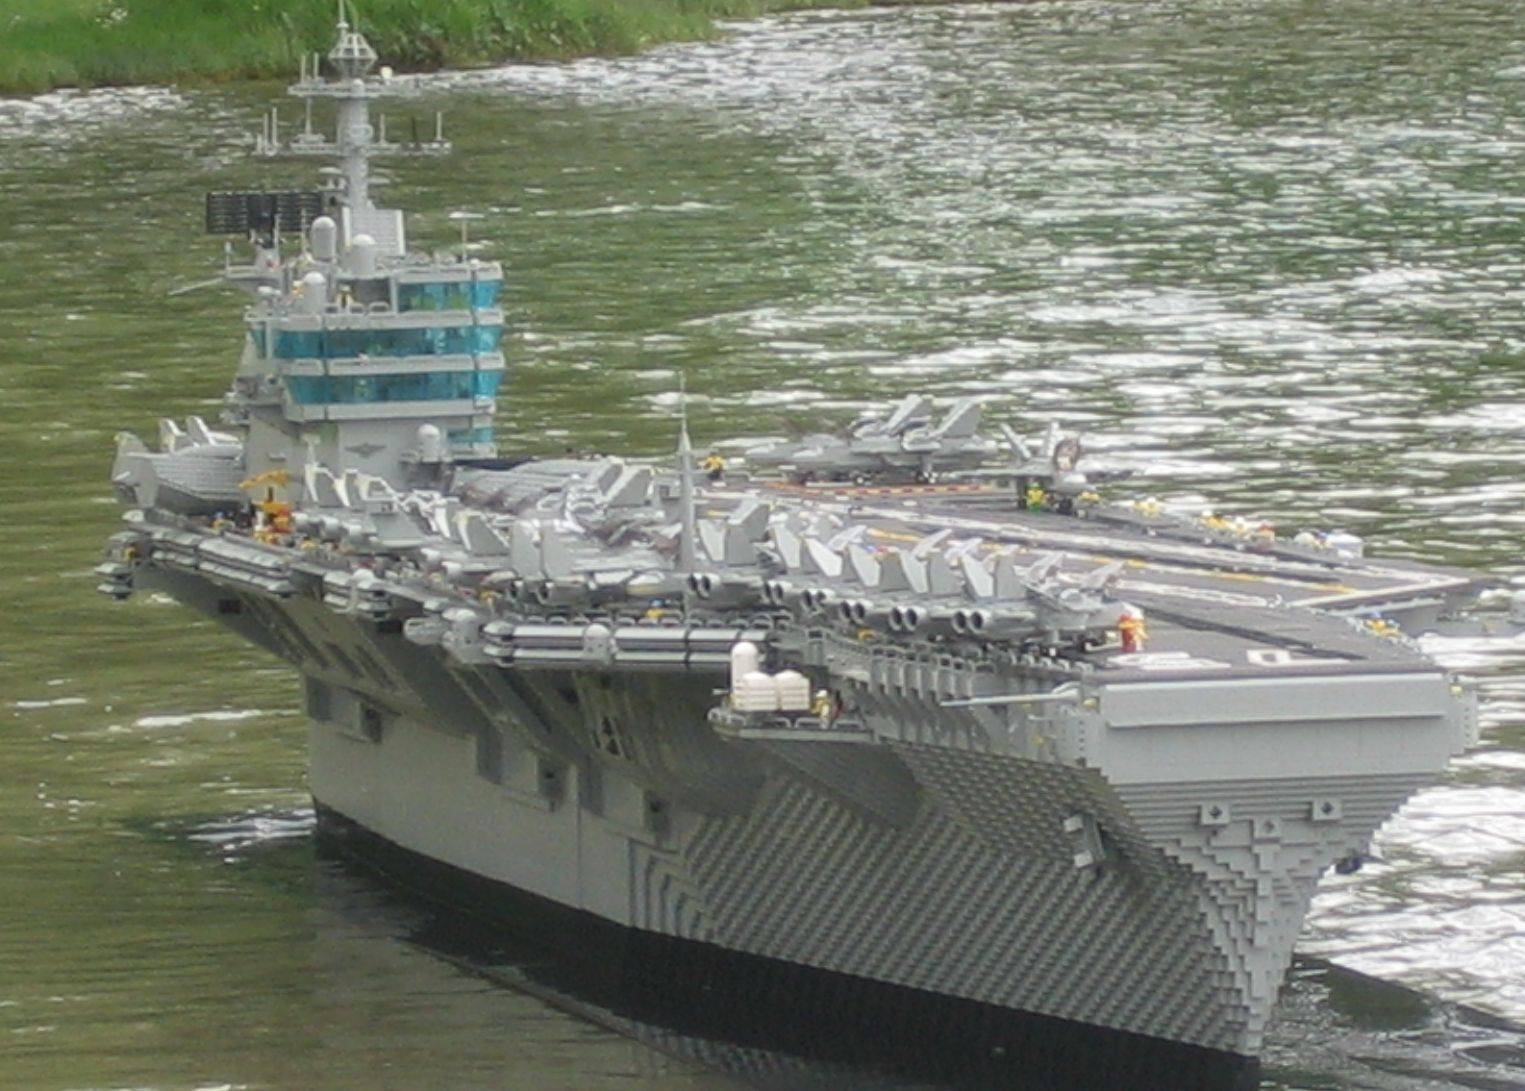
(910,443)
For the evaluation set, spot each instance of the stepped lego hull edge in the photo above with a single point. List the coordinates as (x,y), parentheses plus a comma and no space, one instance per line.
(935,867)
(781,1023)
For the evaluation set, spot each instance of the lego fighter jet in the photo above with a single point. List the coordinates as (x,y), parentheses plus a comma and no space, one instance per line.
(908,444)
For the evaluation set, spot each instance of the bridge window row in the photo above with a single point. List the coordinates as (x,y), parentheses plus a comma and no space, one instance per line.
(342,344)
(419,386)
(449,296)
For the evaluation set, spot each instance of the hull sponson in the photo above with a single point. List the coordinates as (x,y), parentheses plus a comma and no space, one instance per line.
(779,1022)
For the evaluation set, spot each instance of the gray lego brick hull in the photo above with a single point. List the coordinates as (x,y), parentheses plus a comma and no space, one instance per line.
(952,903)
(781,1024)
(952,906)
(937,868)
(945,904)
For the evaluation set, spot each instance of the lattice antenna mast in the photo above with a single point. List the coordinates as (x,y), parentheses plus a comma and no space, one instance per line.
(349,83)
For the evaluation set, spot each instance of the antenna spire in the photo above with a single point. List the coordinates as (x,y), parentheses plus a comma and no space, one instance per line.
(688,529)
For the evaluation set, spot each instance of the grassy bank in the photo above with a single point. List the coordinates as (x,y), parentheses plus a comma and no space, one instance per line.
(90,43)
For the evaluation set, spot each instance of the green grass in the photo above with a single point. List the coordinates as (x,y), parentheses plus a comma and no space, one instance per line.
(87,43)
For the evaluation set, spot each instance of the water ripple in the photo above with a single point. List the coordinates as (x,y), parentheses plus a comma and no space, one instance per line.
(1268,255)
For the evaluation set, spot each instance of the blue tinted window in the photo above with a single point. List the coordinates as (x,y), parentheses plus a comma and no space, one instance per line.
(308,389)
(470,437)
(257,338)
(449,296)
(298,344)
(434,297)
(345,344)
(487,383)
(485,293)
(424,386)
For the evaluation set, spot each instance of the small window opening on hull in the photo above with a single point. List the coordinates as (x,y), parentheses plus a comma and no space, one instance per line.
(370,723)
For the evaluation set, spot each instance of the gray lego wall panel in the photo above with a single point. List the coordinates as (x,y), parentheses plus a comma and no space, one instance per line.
(1002,916)
(1239,751)
(602,867)
(420,789)
(1279,700)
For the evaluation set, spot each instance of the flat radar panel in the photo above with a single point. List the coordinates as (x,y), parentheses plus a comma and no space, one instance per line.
(290,211)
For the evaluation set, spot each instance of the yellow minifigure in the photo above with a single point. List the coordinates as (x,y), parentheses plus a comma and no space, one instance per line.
(1131,630)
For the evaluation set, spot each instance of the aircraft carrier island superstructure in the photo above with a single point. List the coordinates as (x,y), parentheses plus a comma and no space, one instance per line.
(953,725)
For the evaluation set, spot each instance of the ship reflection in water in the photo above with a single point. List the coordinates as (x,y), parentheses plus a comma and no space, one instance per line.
(721,1023)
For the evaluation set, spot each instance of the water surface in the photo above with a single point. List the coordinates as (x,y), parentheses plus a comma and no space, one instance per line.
(1268,255)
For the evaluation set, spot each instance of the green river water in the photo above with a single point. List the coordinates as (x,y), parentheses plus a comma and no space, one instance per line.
(1269,255)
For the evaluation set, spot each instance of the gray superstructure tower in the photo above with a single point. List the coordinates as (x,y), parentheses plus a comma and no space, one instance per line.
(360,355)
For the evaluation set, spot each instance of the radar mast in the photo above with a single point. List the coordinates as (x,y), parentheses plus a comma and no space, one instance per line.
(351,86)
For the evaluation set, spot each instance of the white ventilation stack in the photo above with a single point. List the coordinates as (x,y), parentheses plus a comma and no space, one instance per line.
(752,689)
(362,256)
(745,658)
(323,237)
(793,691)
(431,444)
(314,293)
(757,691)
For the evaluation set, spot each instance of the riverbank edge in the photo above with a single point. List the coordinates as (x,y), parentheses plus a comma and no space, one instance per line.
(105,43)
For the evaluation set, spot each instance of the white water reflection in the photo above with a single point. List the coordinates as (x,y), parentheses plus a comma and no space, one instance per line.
(1266,254)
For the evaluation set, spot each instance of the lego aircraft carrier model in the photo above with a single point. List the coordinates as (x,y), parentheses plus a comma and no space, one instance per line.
(919,708)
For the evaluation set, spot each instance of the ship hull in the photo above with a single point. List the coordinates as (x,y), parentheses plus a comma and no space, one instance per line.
(928,871)
(926,864)
(773,1021)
